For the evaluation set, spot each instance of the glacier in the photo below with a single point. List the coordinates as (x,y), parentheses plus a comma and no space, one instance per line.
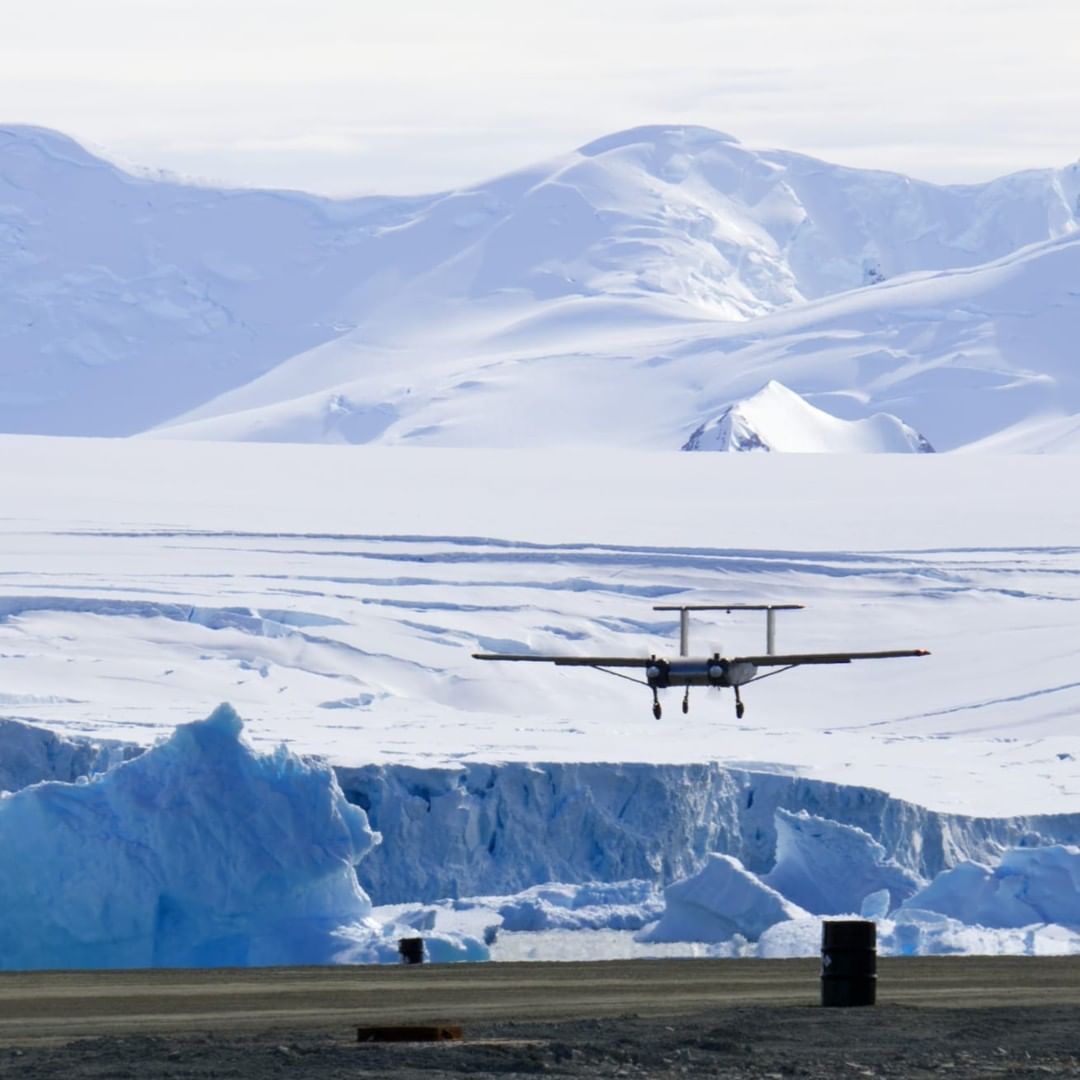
(472,830)
(200,851)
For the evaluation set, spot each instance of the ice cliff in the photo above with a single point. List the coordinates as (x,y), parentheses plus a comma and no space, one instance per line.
(202,852)
(199,852)
(498,829)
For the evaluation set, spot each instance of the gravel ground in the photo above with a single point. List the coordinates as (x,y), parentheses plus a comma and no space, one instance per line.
(894,1041)
(938,1017)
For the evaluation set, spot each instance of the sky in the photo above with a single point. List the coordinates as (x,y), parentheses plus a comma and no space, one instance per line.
(353,96)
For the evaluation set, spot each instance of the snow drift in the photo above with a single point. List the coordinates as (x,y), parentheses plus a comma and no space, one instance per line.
(197,853)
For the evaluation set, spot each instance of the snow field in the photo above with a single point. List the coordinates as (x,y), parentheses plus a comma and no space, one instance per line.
(334,596)
(370,660)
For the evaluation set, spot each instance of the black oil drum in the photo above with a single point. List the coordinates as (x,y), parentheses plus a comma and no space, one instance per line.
(848,962)
(411,950)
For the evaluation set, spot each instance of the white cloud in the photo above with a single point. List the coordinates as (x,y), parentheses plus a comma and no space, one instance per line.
(347,95)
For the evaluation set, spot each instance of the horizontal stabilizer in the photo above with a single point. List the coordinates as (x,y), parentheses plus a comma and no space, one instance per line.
(728,607)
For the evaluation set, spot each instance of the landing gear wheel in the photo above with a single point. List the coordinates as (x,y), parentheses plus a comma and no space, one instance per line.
(656,710)
(686,701)
(740,708)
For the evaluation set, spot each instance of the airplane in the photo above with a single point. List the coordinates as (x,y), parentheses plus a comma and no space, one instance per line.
(716,670)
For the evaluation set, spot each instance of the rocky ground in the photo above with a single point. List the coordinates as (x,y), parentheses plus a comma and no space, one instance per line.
(941,1017)
(760,1042)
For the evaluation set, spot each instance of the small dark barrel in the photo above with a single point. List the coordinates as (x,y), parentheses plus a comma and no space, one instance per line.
(848,962)
(411,949)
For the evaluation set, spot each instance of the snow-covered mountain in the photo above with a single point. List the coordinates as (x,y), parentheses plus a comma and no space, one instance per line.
(961,356)
(516,312)
(777,419)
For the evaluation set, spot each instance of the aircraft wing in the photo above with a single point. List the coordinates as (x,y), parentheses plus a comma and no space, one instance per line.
(570,661)
(796,659)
